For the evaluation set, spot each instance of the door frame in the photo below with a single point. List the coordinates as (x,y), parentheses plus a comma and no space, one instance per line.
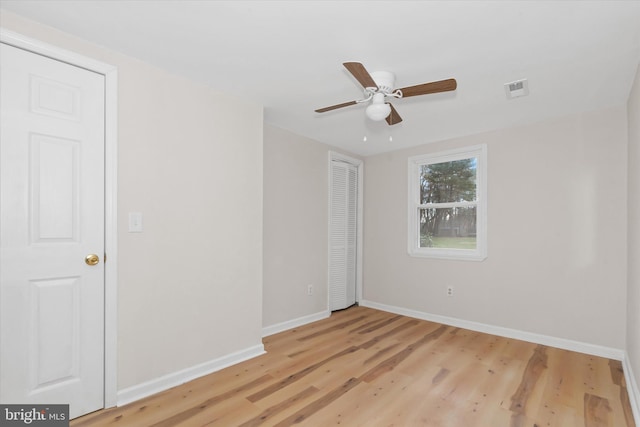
(110,74)
(359,164)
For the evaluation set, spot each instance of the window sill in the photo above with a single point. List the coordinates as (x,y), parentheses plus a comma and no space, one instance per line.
(452,254)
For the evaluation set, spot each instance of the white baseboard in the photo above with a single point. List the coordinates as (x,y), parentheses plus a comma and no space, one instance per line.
(290,324)
(596,350)
(632,388)
(165,382)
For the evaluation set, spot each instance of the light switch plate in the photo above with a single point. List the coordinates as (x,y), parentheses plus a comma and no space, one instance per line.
(135,222)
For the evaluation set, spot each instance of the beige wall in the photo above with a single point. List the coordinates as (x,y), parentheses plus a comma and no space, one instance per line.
(190,159)
(557,237)
(295,226)
(633,297)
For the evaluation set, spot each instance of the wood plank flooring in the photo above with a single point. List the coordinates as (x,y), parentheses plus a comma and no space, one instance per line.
(364,367)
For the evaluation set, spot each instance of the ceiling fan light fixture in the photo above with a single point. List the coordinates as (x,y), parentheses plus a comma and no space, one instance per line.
(378,110)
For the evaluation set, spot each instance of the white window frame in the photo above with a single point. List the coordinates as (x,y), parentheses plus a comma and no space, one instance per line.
(415,163)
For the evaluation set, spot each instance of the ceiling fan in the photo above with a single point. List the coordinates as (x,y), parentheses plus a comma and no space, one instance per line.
(379,85)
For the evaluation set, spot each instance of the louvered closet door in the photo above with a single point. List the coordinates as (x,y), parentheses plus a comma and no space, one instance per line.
(343,235)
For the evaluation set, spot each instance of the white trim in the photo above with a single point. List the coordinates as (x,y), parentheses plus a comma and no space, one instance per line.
(59,54)
(165,382)
(111,190)
(632,388)
(334,155)
(111,241)
(566,344)
(413,238)
(294,323)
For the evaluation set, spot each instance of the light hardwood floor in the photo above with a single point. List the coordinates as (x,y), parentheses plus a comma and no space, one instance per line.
(364,367)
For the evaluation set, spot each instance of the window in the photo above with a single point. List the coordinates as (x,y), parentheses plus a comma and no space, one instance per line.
(448,204)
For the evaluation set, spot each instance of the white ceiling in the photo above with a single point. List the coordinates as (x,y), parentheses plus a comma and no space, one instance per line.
(287,56)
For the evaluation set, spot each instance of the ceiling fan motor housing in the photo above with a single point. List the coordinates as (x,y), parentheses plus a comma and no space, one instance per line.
(385,80)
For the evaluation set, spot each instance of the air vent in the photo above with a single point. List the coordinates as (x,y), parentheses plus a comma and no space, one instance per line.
(517,89)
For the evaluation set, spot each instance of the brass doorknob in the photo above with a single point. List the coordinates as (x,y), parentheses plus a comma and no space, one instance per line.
(92,259)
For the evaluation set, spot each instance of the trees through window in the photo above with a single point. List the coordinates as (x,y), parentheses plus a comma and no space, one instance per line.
(447,207)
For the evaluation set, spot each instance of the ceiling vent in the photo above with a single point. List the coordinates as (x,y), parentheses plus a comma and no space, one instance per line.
(517,89)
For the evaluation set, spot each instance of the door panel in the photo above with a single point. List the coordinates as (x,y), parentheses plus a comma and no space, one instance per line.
(52,216)
(54,173)
(55,331)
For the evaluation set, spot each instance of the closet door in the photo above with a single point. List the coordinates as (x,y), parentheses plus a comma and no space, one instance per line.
(52,216)
(343,235)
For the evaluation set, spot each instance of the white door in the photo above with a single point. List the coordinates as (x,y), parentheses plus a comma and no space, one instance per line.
(343,235)
(52,217)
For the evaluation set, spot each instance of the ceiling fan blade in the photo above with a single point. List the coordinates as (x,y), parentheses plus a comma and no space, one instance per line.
(361,74)
(334,107)
(393,118)
(427,88)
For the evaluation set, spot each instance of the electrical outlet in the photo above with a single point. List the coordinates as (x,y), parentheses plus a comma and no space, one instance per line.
(310,290)
(449,291)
